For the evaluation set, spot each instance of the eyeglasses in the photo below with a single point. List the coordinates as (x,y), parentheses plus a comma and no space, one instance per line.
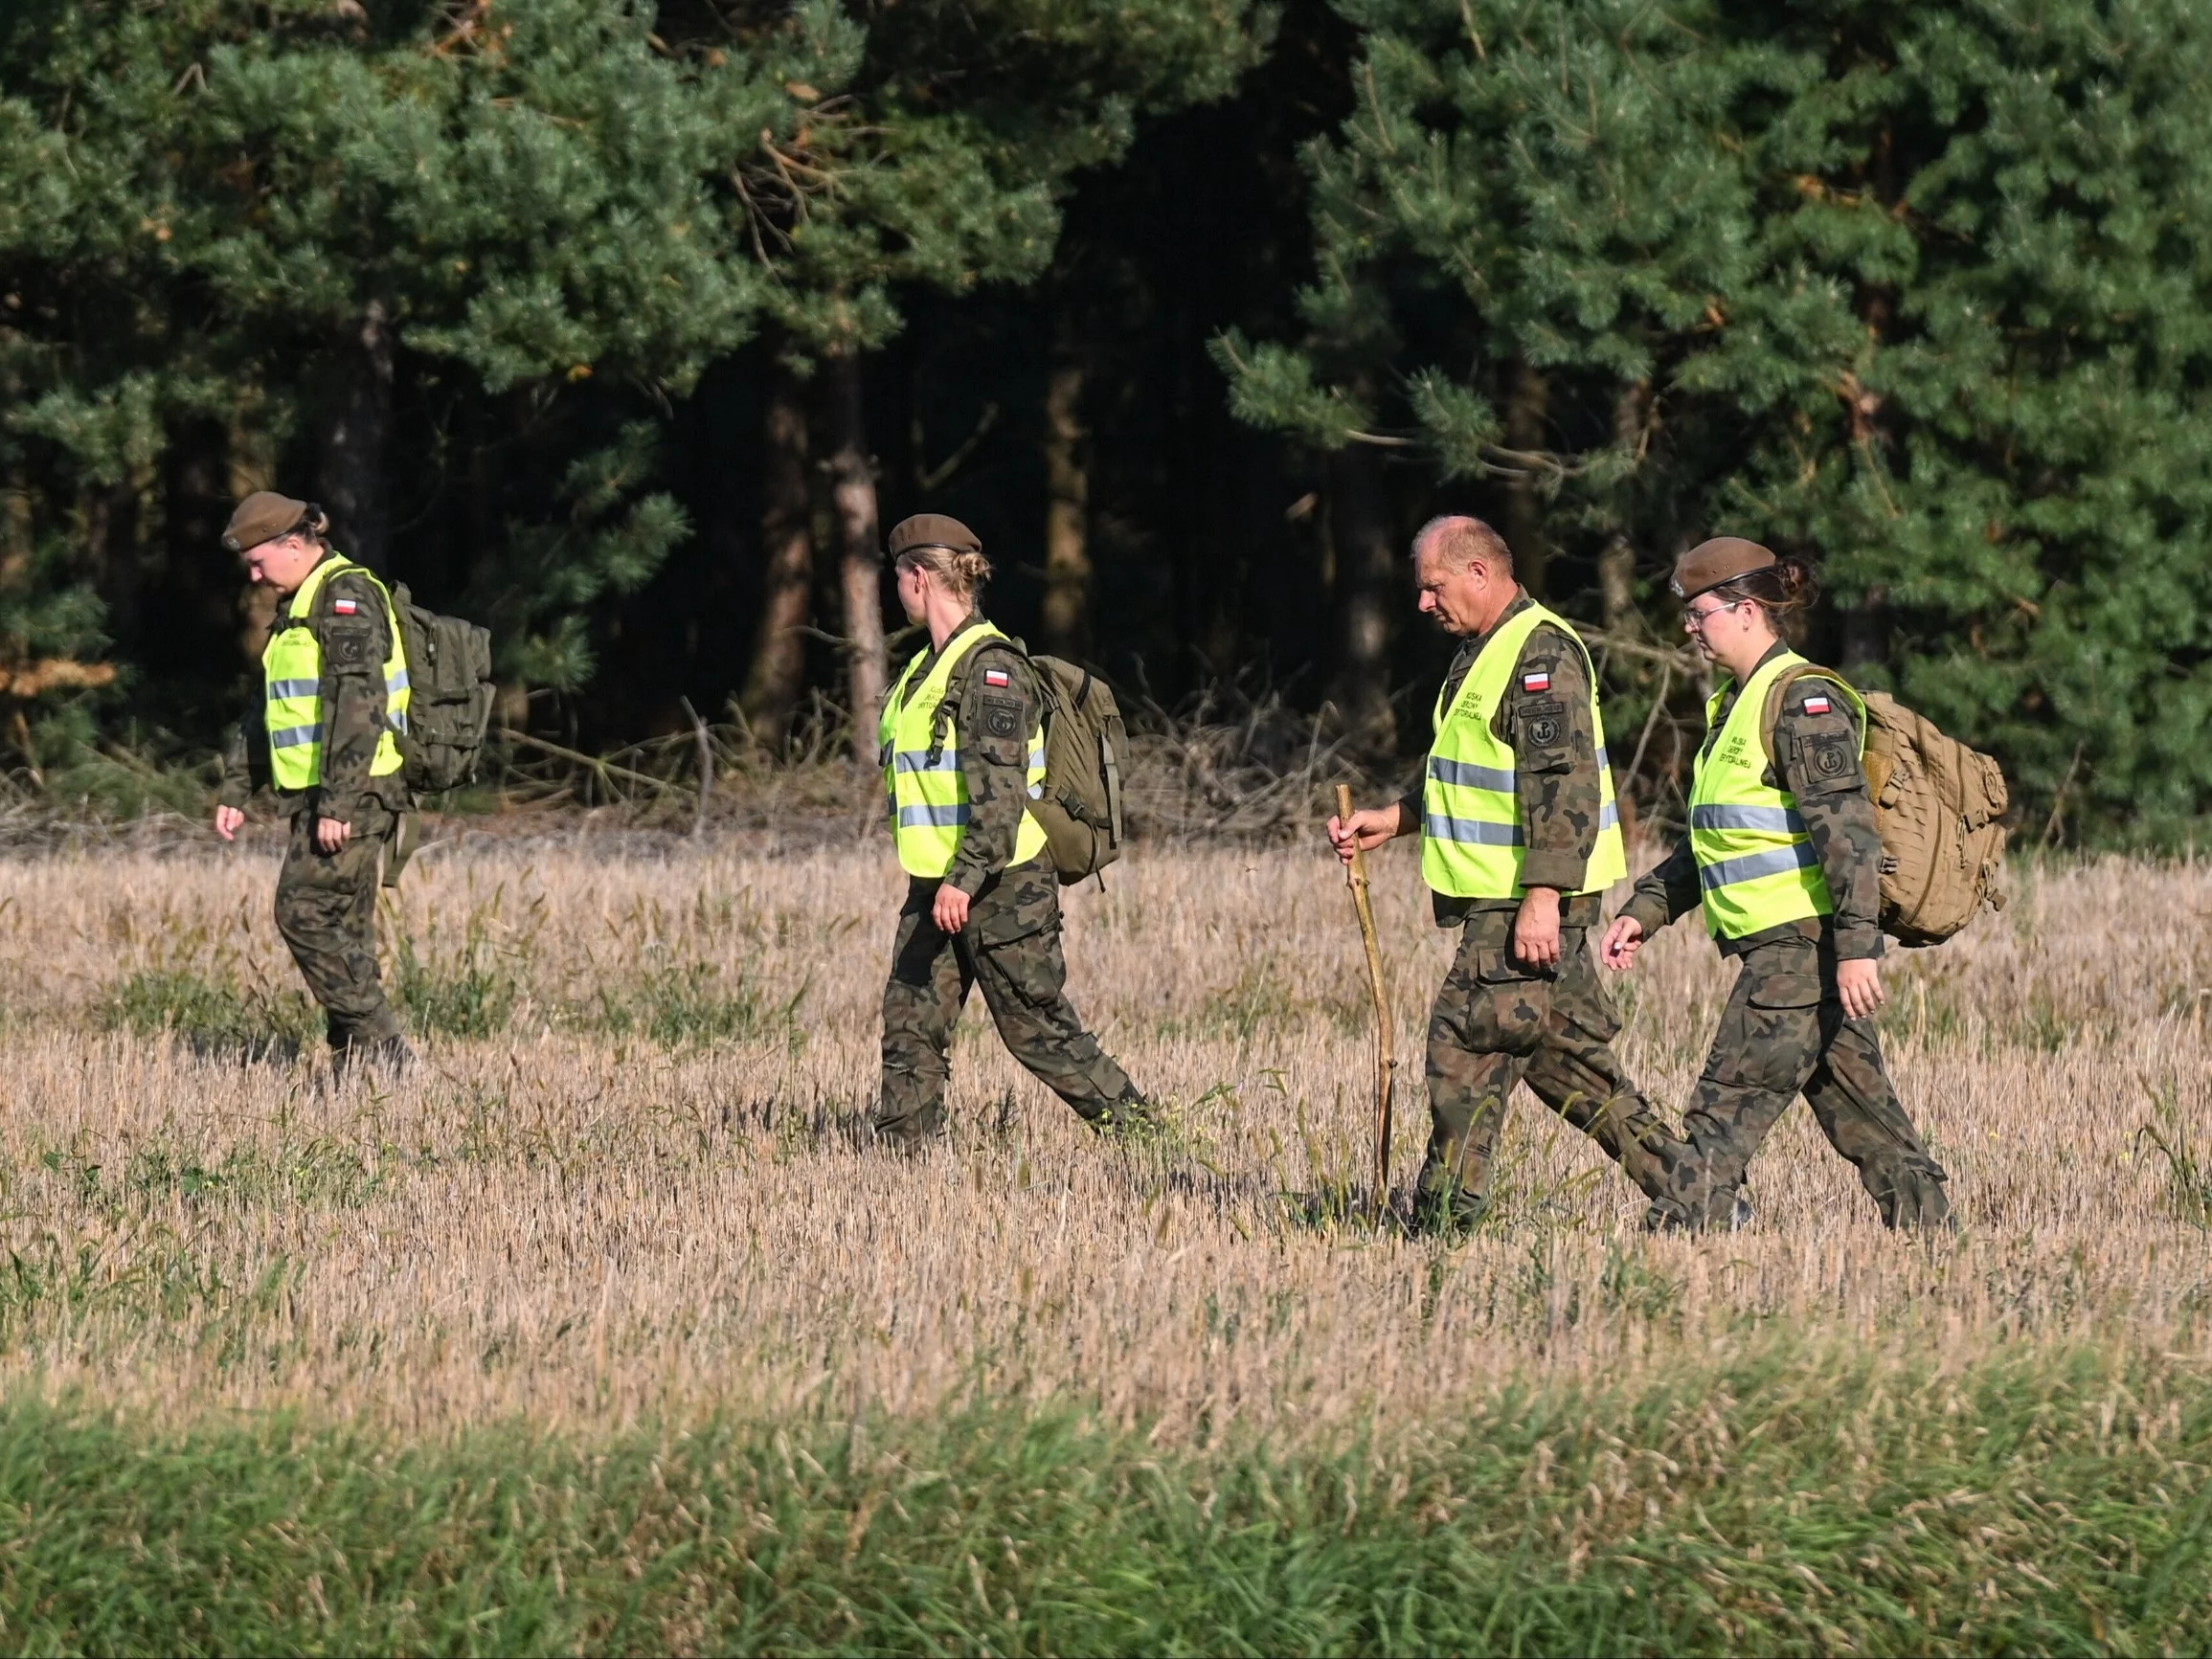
(1694,619)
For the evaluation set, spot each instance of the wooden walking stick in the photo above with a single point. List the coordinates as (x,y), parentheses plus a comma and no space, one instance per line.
(1386,1065)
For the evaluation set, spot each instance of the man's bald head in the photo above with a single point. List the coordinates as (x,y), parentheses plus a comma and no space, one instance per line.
(1457,541)
(1462,575)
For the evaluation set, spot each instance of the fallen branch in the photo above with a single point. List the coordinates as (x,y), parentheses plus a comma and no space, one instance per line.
(55,674)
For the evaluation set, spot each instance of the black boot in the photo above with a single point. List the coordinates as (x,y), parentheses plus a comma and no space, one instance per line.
(1130,1118)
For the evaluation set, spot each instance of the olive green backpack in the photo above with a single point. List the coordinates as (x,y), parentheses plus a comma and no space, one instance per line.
(1936,803)
(1086,750)
(449,695)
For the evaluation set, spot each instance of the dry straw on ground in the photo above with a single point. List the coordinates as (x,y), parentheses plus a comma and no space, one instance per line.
(645,1193)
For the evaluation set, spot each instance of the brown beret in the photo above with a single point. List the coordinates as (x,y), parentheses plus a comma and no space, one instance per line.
(933,531)
(263,516)
(1723,559)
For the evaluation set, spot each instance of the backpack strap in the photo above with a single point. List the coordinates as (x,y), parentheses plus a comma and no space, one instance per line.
(1775,692)
(957,689)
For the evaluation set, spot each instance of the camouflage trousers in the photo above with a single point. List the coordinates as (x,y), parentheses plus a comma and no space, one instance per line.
(1784,1031)
(326,912)
(1497,1023)
(1011,947)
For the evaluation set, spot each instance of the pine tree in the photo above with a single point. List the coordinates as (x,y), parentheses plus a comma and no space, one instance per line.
(261,215)
(945,167)
(1916,290)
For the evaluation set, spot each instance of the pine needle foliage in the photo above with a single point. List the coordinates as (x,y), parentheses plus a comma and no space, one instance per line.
(1919,291)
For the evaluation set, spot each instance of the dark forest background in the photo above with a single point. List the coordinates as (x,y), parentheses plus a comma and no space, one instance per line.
(629,329)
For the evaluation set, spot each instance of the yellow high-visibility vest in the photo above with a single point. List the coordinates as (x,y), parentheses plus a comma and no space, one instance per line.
(1756,867)
(1471,843)
(921,766)
(292,678)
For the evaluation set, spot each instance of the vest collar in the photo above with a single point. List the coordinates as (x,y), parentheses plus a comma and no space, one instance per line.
(1519,602)
(299,602)
(1733,690)
(931,654)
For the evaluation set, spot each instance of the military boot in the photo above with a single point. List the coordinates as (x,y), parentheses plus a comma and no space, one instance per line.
(1668,1214)
(1130,1118)
(1913,1200)
(387,1054)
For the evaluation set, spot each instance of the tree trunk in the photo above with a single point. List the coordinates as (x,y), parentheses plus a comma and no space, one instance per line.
(112,520)
(779,664)
(1067,615)
(195,584)
(1365,567)
(1527,395)
(1616,563)
(860,538)
(1865,630)
(351,475)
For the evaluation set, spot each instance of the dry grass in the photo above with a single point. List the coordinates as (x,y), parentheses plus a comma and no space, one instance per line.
(644,1196)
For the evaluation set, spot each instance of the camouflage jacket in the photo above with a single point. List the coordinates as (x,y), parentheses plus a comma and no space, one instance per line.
(1817,757)
(1555,757)
(994,723)
(355,648)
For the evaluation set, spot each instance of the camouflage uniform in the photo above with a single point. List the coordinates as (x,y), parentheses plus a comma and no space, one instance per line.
(1784,1029)
(326,904)
(1011,942)
(1497,1022)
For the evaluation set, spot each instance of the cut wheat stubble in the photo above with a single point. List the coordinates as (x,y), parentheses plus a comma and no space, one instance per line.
(645,1193)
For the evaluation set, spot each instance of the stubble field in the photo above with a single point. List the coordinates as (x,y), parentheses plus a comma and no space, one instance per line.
(610,1328)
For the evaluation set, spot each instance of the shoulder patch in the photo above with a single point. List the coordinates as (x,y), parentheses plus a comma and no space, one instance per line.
(1536,679)
(1830,758)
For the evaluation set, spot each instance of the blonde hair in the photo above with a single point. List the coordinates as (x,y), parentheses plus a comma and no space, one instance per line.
(960,572)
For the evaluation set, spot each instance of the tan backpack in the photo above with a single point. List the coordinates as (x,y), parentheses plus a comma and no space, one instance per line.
(1936,804)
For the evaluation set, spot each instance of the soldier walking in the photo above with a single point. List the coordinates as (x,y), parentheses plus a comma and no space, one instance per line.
(1520,838)
(1784,859)
(962,747)
(335,688)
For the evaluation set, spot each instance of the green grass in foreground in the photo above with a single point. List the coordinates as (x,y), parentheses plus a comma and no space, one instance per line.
(1789,1502)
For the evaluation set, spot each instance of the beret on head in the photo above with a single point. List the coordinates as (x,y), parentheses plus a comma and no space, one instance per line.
(1723,559)
(263,516)
(933,531)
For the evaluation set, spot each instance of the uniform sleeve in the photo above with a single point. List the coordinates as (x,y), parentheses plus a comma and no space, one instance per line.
(995,724)
(238,783)
(1816,752)
(1667,891)
(355,648)
(1546,716)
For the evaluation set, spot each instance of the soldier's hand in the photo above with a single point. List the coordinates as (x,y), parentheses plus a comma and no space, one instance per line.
(1860,986)
(951,911)
(228,819)
(332,833)
(1536,928)
(1362,831)
(1621,942)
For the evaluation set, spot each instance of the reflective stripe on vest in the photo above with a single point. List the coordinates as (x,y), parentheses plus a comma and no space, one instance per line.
(927,790)
(1471,841)
(292,688)
(1756,867)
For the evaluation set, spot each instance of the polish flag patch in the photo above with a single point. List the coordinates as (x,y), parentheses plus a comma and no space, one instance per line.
(1816,704)
(1537,681)
(997,677)
(344,607)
